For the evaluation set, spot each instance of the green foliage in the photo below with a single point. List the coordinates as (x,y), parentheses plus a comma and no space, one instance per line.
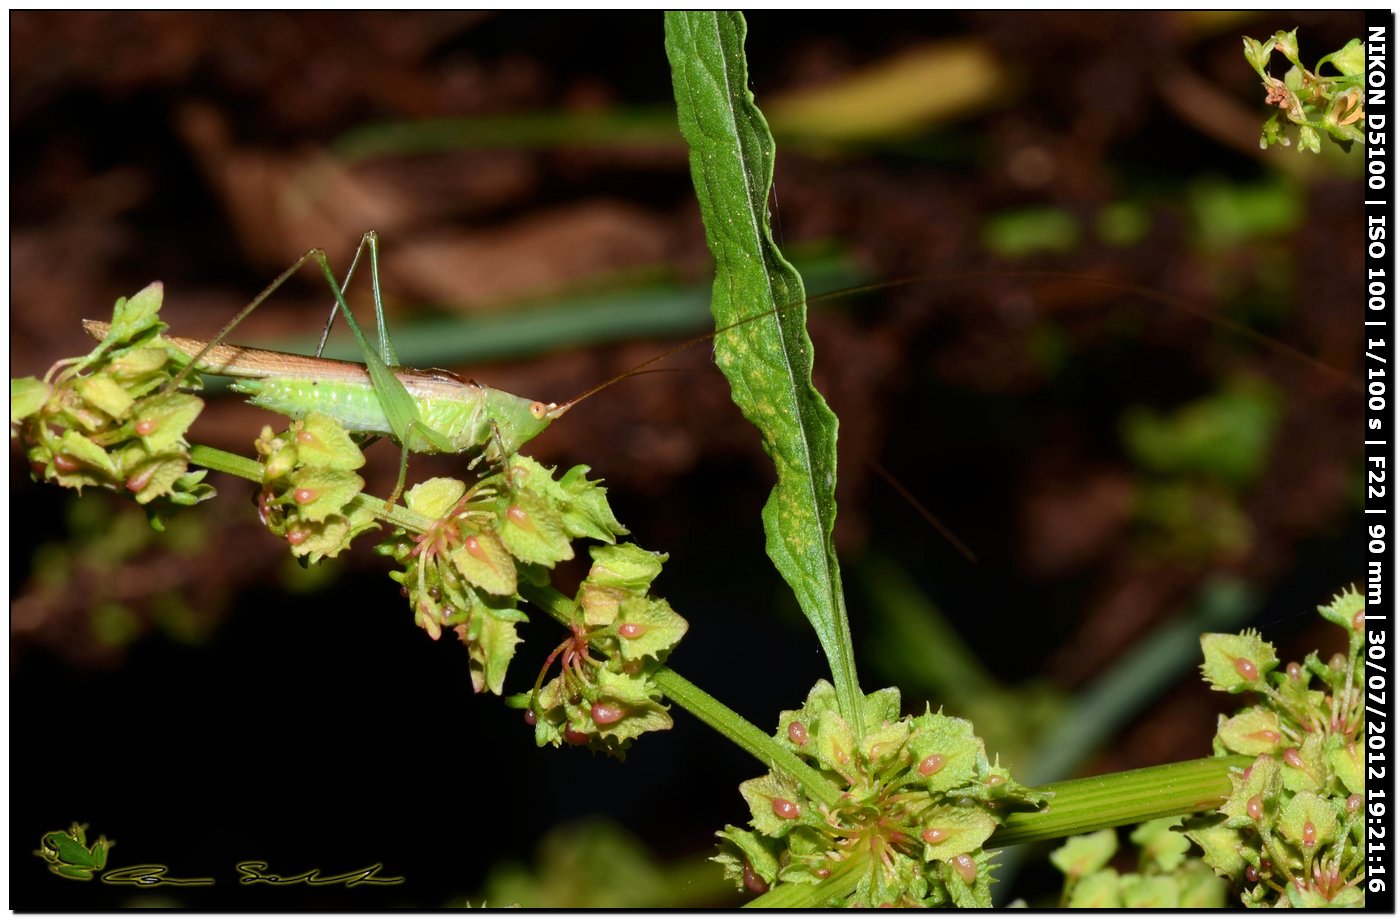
(1029,231)
(1237,663)
(464,568)
(1290,833)
(1315,103)
(596,864)
(1123,223)
(102,543)
(919,797)
(1165,878)
(1224,437)
(1082,856)
(1230,213)
(862,806)
(768,363)
(1198,459)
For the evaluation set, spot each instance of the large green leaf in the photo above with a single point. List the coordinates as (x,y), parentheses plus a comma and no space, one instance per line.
(768,361)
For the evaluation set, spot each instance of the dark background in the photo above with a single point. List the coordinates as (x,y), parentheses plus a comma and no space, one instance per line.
(200,701)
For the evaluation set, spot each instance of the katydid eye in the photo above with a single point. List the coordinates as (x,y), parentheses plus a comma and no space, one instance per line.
(538,410)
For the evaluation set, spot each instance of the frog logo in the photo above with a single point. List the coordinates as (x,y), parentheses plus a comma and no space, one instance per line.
(69,855)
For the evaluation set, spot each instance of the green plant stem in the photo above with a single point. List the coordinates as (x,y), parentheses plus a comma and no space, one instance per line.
(1077,805)
(733,726)
(1121,798)
(252,470)
(228,463)
(832,889)
(708,709)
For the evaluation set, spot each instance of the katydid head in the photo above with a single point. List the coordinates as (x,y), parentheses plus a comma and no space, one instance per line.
(516,421)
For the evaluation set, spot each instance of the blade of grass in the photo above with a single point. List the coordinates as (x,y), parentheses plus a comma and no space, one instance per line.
(768,363)
(570,320)
(631,127)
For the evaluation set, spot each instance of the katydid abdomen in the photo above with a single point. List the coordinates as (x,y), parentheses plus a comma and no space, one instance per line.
(457,415)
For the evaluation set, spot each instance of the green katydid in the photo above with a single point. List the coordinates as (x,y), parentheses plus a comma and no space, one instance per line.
(425,411)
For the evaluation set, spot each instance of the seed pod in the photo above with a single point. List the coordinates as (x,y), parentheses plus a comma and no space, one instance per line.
(602,713)
(785,809)
(965,867)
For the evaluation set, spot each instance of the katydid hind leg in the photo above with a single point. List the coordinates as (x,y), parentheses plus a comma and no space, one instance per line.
(344,285)
(369,241)
(400,410)
(386,346)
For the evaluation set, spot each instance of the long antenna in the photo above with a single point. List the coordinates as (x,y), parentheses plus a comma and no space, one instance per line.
(918,505)
(698,339)
(1145,293)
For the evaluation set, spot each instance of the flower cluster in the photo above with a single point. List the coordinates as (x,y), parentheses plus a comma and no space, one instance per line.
(1317,104)
(604,695)
(1290,833)
(310,493)
(920,798)
(486,543)
(112,419)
